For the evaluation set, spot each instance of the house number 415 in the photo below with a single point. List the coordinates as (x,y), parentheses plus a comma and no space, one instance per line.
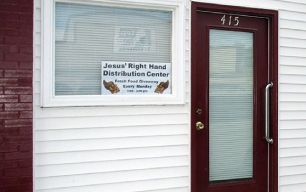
(230,20)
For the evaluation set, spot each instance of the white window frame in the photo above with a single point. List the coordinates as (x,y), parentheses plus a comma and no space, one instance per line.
(48,97)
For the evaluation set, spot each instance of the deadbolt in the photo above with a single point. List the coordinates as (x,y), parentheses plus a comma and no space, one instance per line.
(199,125)
(199,111)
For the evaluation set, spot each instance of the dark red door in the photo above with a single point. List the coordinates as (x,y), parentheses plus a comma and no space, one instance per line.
(234,100)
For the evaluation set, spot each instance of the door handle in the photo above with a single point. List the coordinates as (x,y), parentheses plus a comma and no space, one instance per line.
(267,113)
(199,125)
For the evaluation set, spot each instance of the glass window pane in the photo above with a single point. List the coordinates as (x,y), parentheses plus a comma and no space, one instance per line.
(230,105)
(86,35)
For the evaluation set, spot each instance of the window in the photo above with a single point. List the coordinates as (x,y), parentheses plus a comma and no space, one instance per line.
(97,53)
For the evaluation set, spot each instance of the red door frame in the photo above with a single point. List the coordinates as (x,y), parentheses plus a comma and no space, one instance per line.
(273,17)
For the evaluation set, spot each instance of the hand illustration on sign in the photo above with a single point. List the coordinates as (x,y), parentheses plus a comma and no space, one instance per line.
(111,86)
(161,87)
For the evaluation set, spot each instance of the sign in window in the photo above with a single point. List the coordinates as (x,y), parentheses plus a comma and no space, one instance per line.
(101,50)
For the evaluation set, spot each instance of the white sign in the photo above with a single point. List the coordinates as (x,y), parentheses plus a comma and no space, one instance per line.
(135,78)
(134,40)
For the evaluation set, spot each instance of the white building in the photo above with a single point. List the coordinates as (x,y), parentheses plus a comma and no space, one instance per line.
(217,59)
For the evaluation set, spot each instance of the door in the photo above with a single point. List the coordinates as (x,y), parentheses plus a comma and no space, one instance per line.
(234,99)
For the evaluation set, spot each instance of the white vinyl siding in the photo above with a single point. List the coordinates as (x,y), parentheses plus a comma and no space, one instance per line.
(109,148)
(292,100)
(147,149)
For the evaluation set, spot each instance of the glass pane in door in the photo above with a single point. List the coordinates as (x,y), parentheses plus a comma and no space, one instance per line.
(230,105)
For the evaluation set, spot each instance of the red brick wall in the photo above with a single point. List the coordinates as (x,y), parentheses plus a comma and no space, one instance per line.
(16,63)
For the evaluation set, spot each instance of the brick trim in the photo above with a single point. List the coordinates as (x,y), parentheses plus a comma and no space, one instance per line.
(16,111)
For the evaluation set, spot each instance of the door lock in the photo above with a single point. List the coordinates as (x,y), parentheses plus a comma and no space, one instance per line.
(199,111)
(199,125)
